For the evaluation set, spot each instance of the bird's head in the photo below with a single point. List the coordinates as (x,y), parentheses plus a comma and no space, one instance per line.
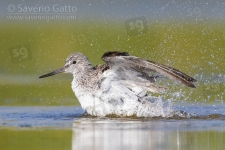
(75,63)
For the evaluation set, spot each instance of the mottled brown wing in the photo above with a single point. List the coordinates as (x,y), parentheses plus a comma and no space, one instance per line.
(143,65)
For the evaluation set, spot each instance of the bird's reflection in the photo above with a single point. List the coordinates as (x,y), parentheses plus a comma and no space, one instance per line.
(97,134)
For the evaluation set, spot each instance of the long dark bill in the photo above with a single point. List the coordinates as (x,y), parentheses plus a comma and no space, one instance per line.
(53,73)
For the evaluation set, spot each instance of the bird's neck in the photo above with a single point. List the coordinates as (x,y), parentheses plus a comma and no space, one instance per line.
(83,73)
(84,82)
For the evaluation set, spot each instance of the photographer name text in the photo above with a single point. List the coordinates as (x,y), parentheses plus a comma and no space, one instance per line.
(56,8)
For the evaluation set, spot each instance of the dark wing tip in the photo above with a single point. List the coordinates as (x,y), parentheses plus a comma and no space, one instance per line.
(177,72)
(115,53)
(193,80)
(190,79)
(190,85)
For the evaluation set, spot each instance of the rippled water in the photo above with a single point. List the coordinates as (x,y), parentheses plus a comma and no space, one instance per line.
(204,129)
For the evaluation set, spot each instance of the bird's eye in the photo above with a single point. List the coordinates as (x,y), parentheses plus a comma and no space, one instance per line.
(74,62)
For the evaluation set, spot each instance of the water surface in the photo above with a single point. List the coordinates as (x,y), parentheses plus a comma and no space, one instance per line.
(68,128)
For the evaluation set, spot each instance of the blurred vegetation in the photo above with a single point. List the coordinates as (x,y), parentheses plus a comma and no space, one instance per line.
(194,47)
(35,139)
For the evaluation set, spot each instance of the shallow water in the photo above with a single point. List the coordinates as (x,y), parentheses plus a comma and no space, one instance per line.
(67,128)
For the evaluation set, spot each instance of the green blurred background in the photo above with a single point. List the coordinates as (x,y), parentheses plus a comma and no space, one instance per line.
(184,35)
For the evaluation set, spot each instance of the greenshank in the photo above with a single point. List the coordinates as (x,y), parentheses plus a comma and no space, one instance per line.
(122,86)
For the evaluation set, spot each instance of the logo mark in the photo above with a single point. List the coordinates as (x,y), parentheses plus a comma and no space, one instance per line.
(136,26)
(20,53)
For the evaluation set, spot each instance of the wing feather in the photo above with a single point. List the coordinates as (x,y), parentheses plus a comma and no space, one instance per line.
(143,65)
